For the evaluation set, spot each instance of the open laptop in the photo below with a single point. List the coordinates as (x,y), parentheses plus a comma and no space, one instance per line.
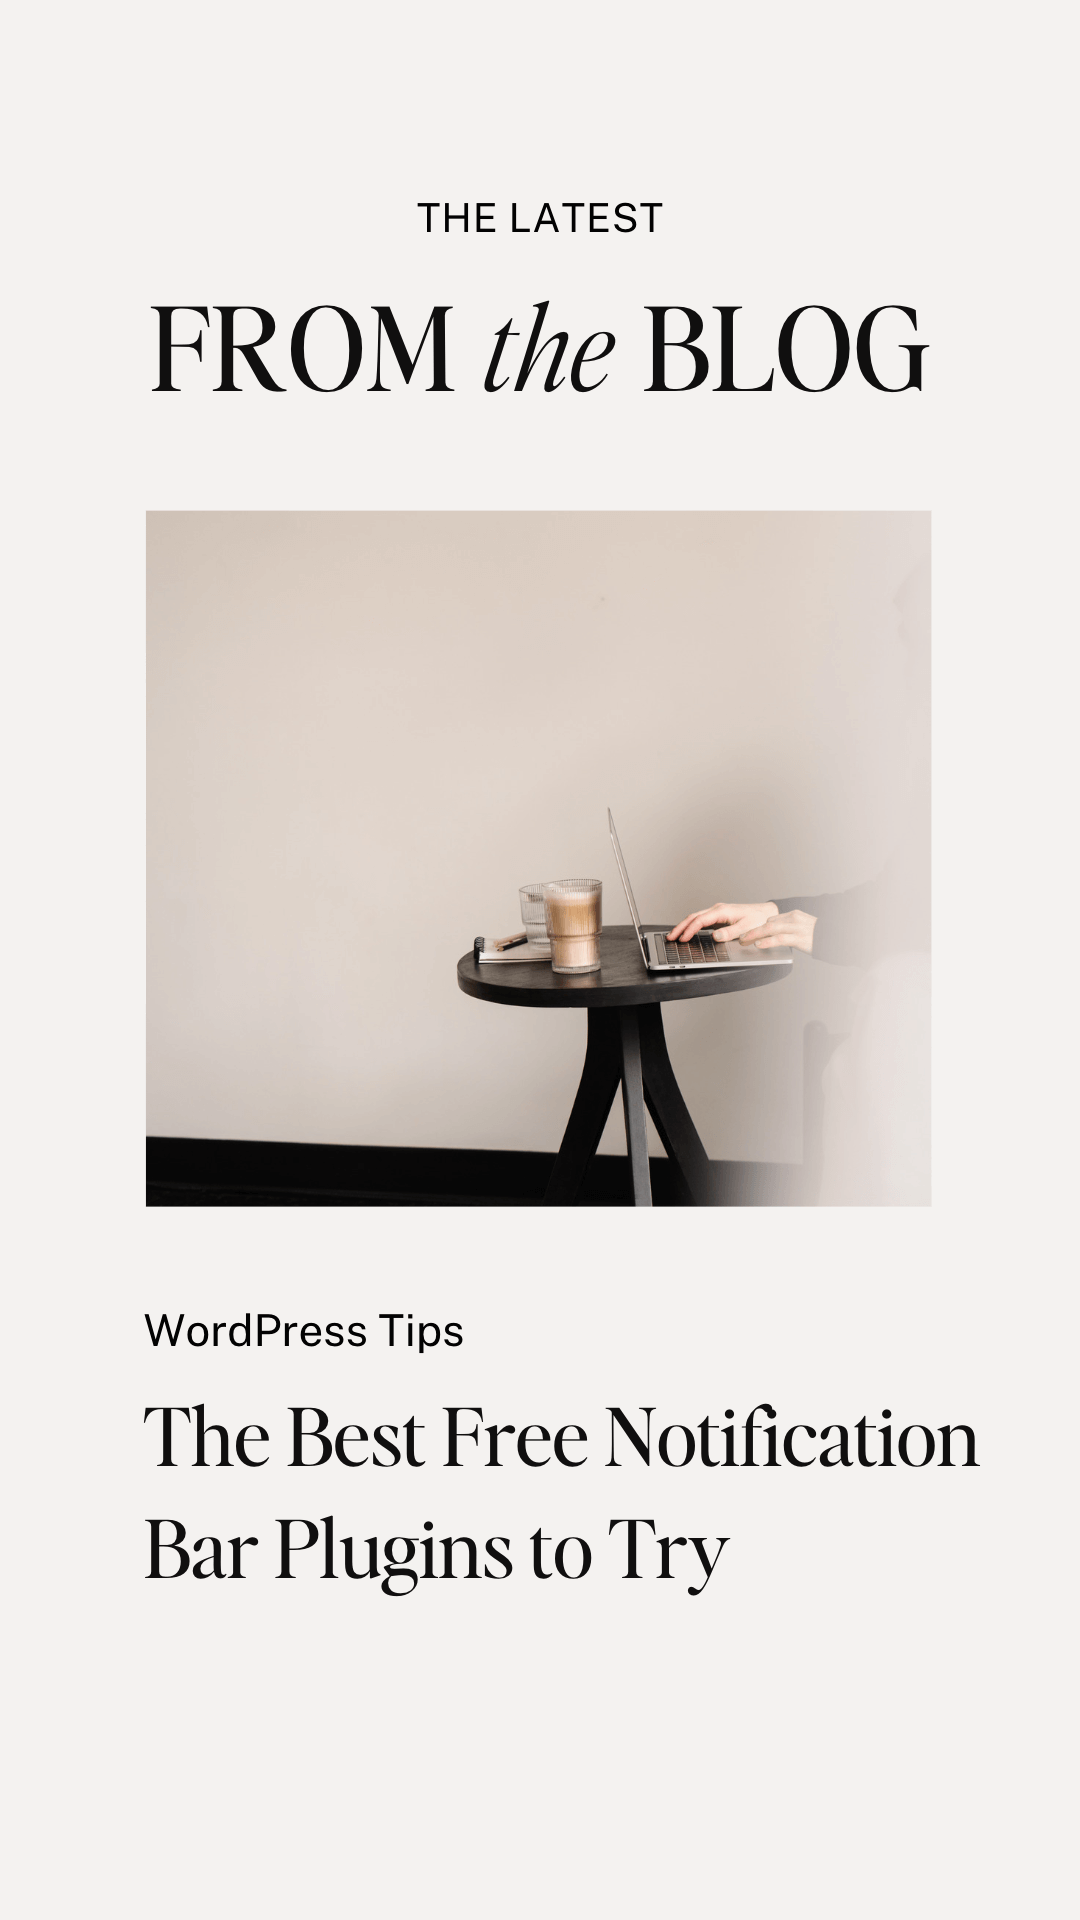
(668,956)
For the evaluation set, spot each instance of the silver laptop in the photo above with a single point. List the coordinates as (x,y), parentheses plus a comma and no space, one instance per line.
(669,956)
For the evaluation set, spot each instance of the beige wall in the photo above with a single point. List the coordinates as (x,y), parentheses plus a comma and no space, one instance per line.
(365,730)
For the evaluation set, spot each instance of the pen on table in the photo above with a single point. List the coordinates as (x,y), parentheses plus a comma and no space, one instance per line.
(512,940)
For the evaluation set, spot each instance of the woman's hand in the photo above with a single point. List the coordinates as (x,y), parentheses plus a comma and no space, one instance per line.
(752,925)
(735,921)
(794,929)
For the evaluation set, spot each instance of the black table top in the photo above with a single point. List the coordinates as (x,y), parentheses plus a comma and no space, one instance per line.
(622,979)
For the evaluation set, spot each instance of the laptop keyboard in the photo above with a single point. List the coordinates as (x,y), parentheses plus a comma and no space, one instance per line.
(694,953)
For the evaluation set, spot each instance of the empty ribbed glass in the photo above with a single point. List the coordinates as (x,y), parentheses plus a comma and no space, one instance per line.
(572,909)
(533,918)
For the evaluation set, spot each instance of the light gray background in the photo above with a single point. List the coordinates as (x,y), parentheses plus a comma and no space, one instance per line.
(366,729)
(875,1719)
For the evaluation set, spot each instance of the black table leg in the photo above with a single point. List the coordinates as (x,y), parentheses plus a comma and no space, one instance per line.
(637,1144)
(671,1117)
(600,1078)
(627,1044)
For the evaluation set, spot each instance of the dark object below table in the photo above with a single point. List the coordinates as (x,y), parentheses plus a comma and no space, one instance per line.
(626,1044)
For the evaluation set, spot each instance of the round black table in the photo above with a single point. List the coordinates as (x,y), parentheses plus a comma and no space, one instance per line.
(626,1043)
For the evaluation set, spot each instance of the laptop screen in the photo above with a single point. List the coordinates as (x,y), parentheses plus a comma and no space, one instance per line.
(625,878)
